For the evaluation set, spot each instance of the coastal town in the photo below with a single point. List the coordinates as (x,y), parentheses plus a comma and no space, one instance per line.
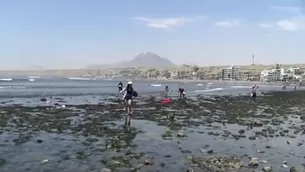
(274,73)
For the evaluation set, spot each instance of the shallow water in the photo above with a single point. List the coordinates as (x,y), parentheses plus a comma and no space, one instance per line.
(77,137)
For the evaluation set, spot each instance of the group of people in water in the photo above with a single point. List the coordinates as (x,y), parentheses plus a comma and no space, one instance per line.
(130,93)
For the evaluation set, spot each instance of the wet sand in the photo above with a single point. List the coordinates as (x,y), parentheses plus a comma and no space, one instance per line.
(205,133)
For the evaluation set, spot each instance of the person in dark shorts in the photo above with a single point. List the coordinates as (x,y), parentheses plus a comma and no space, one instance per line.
(129,93)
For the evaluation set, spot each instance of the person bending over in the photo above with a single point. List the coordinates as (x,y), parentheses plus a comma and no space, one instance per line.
(181,92)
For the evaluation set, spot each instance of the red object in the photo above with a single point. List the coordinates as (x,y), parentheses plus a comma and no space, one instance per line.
(167,101)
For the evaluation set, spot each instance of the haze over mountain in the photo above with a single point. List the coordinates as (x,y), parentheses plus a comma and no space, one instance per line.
(147,60)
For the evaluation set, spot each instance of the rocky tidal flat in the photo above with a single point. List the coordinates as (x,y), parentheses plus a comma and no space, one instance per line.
(208,133)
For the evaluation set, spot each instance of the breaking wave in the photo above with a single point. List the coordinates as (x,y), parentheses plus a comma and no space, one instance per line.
(82,79)
(208,90)
(155,85)
(6,79)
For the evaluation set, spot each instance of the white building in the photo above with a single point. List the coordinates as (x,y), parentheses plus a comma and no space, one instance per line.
(293,70)
(271,75)
(231,73)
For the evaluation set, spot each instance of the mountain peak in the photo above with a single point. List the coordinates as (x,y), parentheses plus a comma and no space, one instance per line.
(150,59)
(147,60)
(147,55)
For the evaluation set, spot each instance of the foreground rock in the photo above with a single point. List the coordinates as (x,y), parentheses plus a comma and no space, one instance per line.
(94,136)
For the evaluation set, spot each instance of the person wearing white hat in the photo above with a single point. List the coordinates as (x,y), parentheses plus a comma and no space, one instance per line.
(129,93)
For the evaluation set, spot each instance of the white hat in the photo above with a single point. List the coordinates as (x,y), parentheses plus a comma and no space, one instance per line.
(129,82)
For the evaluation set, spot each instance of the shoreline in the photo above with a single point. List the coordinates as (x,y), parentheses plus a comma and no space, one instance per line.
(213,81)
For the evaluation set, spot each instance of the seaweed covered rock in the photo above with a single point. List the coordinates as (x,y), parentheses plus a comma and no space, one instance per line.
(221,164)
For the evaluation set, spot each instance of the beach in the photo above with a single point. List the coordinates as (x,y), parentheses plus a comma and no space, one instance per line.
(74,125)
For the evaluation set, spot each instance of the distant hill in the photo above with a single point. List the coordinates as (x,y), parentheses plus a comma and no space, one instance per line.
(35,67)
(147,60)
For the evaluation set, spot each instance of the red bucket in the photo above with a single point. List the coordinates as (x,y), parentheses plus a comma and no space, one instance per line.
(167,101)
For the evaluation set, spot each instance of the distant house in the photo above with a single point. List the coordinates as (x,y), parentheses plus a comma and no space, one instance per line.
(272,75)
(230,73)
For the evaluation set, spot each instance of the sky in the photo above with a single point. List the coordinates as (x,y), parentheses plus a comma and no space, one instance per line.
(70,34)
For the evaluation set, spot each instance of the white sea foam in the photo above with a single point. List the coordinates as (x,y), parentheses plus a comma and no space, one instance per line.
(33,77)
(82,79)
(208,90)
(155,85)
(6,79)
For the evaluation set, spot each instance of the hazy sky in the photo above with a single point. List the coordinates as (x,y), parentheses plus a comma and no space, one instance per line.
(75,33)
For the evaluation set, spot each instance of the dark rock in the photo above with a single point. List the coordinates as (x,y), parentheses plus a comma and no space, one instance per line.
(297,169)
(241,131)
(210,151)
(257,124)
(252,138)
(190,170)
(186,151)
(2,162)
(43,99)
(148,162)
(39,141)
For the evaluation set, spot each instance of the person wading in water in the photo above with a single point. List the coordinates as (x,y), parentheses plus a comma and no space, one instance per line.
(253,94)
(166,91)
(129,93)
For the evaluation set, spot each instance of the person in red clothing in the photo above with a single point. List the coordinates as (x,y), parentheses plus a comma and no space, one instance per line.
(181,92)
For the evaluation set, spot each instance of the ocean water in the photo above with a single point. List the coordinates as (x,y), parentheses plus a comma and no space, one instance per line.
(39,86)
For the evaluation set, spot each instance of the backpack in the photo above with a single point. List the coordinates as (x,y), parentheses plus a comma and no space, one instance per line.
(134,94)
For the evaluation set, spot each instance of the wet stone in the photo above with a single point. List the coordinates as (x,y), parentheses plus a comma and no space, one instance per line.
(2,162)
(297,169)
(267,169)
(186,151)
(148,162)
(241,131)
(252,138)
(253,163)
(105,170)
(43,99)
(39,141)
(181,134)
(225,163)
(210,151)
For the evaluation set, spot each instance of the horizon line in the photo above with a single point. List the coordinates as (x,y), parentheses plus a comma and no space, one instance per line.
(67,69)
